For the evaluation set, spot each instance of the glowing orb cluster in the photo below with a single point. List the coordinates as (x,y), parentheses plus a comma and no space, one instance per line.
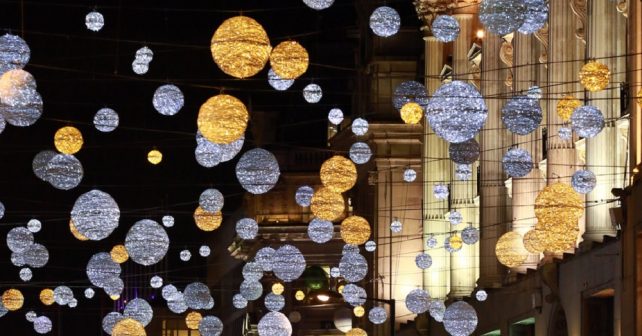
(144,56)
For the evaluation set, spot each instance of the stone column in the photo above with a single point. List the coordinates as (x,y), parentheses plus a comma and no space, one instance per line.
(634,71)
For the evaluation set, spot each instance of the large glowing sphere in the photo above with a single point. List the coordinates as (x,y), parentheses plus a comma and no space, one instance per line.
(385,21)
(510,250)
(355,230)
(222,119)
(522,115)
(445,28)
(258,171)
(595,76)
(460,319)
(338,174)
(168,100)
(502,17)
(289,60)
(147,242)
(353,267)
(320,231)
(95,214)
(587,121)
(274,324)
(517,162)
(288,263)
(417,301)
(327,204)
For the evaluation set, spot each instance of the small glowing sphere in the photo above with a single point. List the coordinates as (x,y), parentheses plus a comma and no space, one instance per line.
(470,235)
(453,243)
(455,217)
(19,239)
(566,106)
(274,302)
(207,221)
(119,254)
(411,113)
(335,116)
(34,226)
(312,93)
(463,172)
(12,299)
(445,28)
(278,288)
(42,325)
(168,100)
(147,242)
(289,263)
(396,226)
(247,228)
(274,324)
(154,156)
(409,175)
(222,119)
(289,60)
(338,174)
(210,326)
(359,311)
(517,162)
(204,251)
(423,260)
(377,315)
(128,327)
(303,195)
(481,295)
(385,21)
(327,204)
(238,301)
(510,249)
(94,21)
(417,301)
(68,140)
(587,121)
(359,126)
(139,67)
(356,332)
(355,230)
(258,171)
(320,231)
(318,4)
(168,221)
(595,76)
(106,120)
(431,241)
(47,296)
(353,267)
(360,153)
(89,293)
(193,319)
(371,246)
(156,282)
(440,191)
(565,133)
(185,255)
(522,115)
(299,295)
(583,181)
(277,82)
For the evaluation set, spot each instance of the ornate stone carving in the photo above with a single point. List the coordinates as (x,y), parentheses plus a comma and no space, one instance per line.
(623,8)
(506,56)
(579,9)
(542,36)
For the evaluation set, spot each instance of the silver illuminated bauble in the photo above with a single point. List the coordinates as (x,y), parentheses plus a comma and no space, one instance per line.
(535,17)
(470,235)
(274,324)
(522,115)
(517,162)
(396,226)
(288,263)
(456,112)
(502,16)
(265,258)
(354,295)
(350,248)
(335,116)
(14,53)
(139,67)
(385,21)
(440,191)
(176,303)
(409,175)
(94,21)
(210,326)
(360,152)
(312,93)
(95,214)
(238,301)
(565,133)
(371,246)
(481,295)
(63,295)
(89,293)
(437,308)
(587,121)
(42,325)
(534,92)
(208,154)
(185,255)
(423,260)
(19,239)
(156,282)
(168,100)
(251,290)
(465,152)
(377,315)
(303,195)
(106,120)
(30,316)
(360,126)
(73,303)
(257,171)
(110,320)
(146,242)
(168,221)
(247,228)
(64,172)
(353,267)
(455,217)
(252,271)
(144,54)
(114,287)
(197,295)
(35,256)
(101,268)
(463,172)
(460,319)
(335,272)
(25,113)
(274,302)
(410,92)
(168,291)
(277,82)
(445,28)
(25,274)
(320,231)
(318,4)
(583,181)
(139,310)
(417,301)
(229,151)
(204,251)
(40,161)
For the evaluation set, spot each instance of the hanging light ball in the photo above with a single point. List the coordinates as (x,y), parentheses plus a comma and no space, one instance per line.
(455,217)
(274,302)
(437,308)
(338,174)
(534,92)
(385,21)
(595,76)
(119,254)
(258,171)
(106,120)
(240,47)
(481,295)
(289,263)
(358,311)
(353,267)
(312,93)
(463,172)
(19,239)
(168,221)
(517,162)
(197,295)
(64,172)
(583,181)
(377,315)
(139,67)
(431,241)
(139,310)
(460,319)
(356,332)
(355,230)
(208,154)
(252,271)
(453,243)
(566,106)
(396,226)
(465,152)
(40,162)
(360,126)
(277,82)
(423,260)
(207,221)
(354,295)
(110,320)
(303,195)
(565,133)
(535,17)
(558,201)
(63,295)
(502,17)
(211,200)
(409,175)
(247,228)
(147,242)
(411,113)
(299,295)
(470,235)
(128,327)
(193,319)
(445,28)
(210,326)
(335,116)
(89,293)
(185,255)
(522,115)
(278,288)
(320,231)
(410,92)
(168,100)
(14,53)
(12,299)
(42,324)
(440,191)
(264,257)
(101,269)
(318,4)
(47,297)
(457,111)
(176,303)
(274,324)
(222,119)
(371,246)
(289,60)
(360,153)
(156,282)
(251,290)
(68,140)
(534,241)
(327,204)
(417,301)
(94,21)
(95,214)
(587,121)
(350,248)
(154,156)
(239,302)
(510,249)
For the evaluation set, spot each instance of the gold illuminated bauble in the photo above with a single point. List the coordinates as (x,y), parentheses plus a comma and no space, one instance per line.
(340,289)
(128,327)
(534,241)
(289,60)
(47,297)
(299,295)
(154,156)
(355,230)
(240,47)
(455,242)
(193,319)
(277,288)
(75,232)
(68,140)
(566,106)
(595,76)
(358,311)
(356,332)
(222,119)
(12,299)
(338,174)
(327,204)
(558,201)
(114,297)
(510,249)
(411,113)
(119,254)
(559,235)
(207,221)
